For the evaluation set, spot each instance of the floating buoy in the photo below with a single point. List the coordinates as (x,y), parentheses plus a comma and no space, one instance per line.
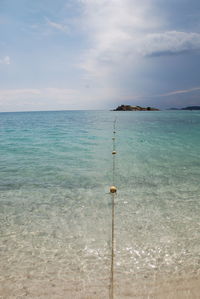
(113,138)
(114,152)
(113,189)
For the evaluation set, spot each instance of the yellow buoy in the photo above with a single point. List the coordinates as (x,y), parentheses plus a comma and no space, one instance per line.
(114,152)
(113,189)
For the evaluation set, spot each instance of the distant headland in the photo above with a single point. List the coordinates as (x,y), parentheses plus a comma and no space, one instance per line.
(187,108)
(134,108)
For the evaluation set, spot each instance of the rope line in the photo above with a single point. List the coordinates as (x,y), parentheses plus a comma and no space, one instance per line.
(112,249)
(113,193)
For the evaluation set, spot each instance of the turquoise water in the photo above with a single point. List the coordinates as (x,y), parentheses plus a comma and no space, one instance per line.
(55,210)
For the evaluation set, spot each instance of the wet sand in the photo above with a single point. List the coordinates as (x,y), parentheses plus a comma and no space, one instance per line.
(159,289)
(188,288)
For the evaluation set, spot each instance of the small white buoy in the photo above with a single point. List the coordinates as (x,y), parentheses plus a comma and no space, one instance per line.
(113,189)
(114,153)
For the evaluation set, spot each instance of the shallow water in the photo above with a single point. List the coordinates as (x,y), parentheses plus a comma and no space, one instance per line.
(55,210)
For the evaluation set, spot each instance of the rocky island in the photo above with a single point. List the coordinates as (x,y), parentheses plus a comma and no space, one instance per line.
(134,108)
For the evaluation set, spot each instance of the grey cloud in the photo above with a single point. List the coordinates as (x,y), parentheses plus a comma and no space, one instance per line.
(124,33)
(169,43)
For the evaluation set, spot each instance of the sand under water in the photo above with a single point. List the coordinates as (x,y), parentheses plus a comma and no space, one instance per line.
(55,209)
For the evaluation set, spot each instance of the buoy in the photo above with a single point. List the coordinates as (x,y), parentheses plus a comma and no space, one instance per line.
(114,152)
(113,189)
(113,138)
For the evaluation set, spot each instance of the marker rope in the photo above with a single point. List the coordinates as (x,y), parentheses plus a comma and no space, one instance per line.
(113,191)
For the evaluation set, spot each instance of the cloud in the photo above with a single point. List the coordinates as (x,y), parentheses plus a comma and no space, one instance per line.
(114,27)
(58,26)
(170,42)
(58,93)
(5,60)
(181,91)
(50,98)
(167,94)
(34,99)
(123,31)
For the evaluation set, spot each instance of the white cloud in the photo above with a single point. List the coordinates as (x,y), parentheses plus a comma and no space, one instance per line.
(114,28)
(5,60)
(56,93)
(57,26)
(46,99)
(28,99)
(181,91)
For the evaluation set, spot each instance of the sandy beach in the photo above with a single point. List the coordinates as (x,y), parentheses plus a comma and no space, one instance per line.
(158,289)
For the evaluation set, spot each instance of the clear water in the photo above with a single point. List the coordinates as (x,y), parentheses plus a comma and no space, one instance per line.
(55,210)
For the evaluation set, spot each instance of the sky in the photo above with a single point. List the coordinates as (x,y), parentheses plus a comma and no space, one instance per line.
(98,54)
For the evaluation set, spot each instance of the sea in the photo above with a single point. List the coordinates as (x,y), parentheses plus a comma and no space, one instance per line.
(56,210)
